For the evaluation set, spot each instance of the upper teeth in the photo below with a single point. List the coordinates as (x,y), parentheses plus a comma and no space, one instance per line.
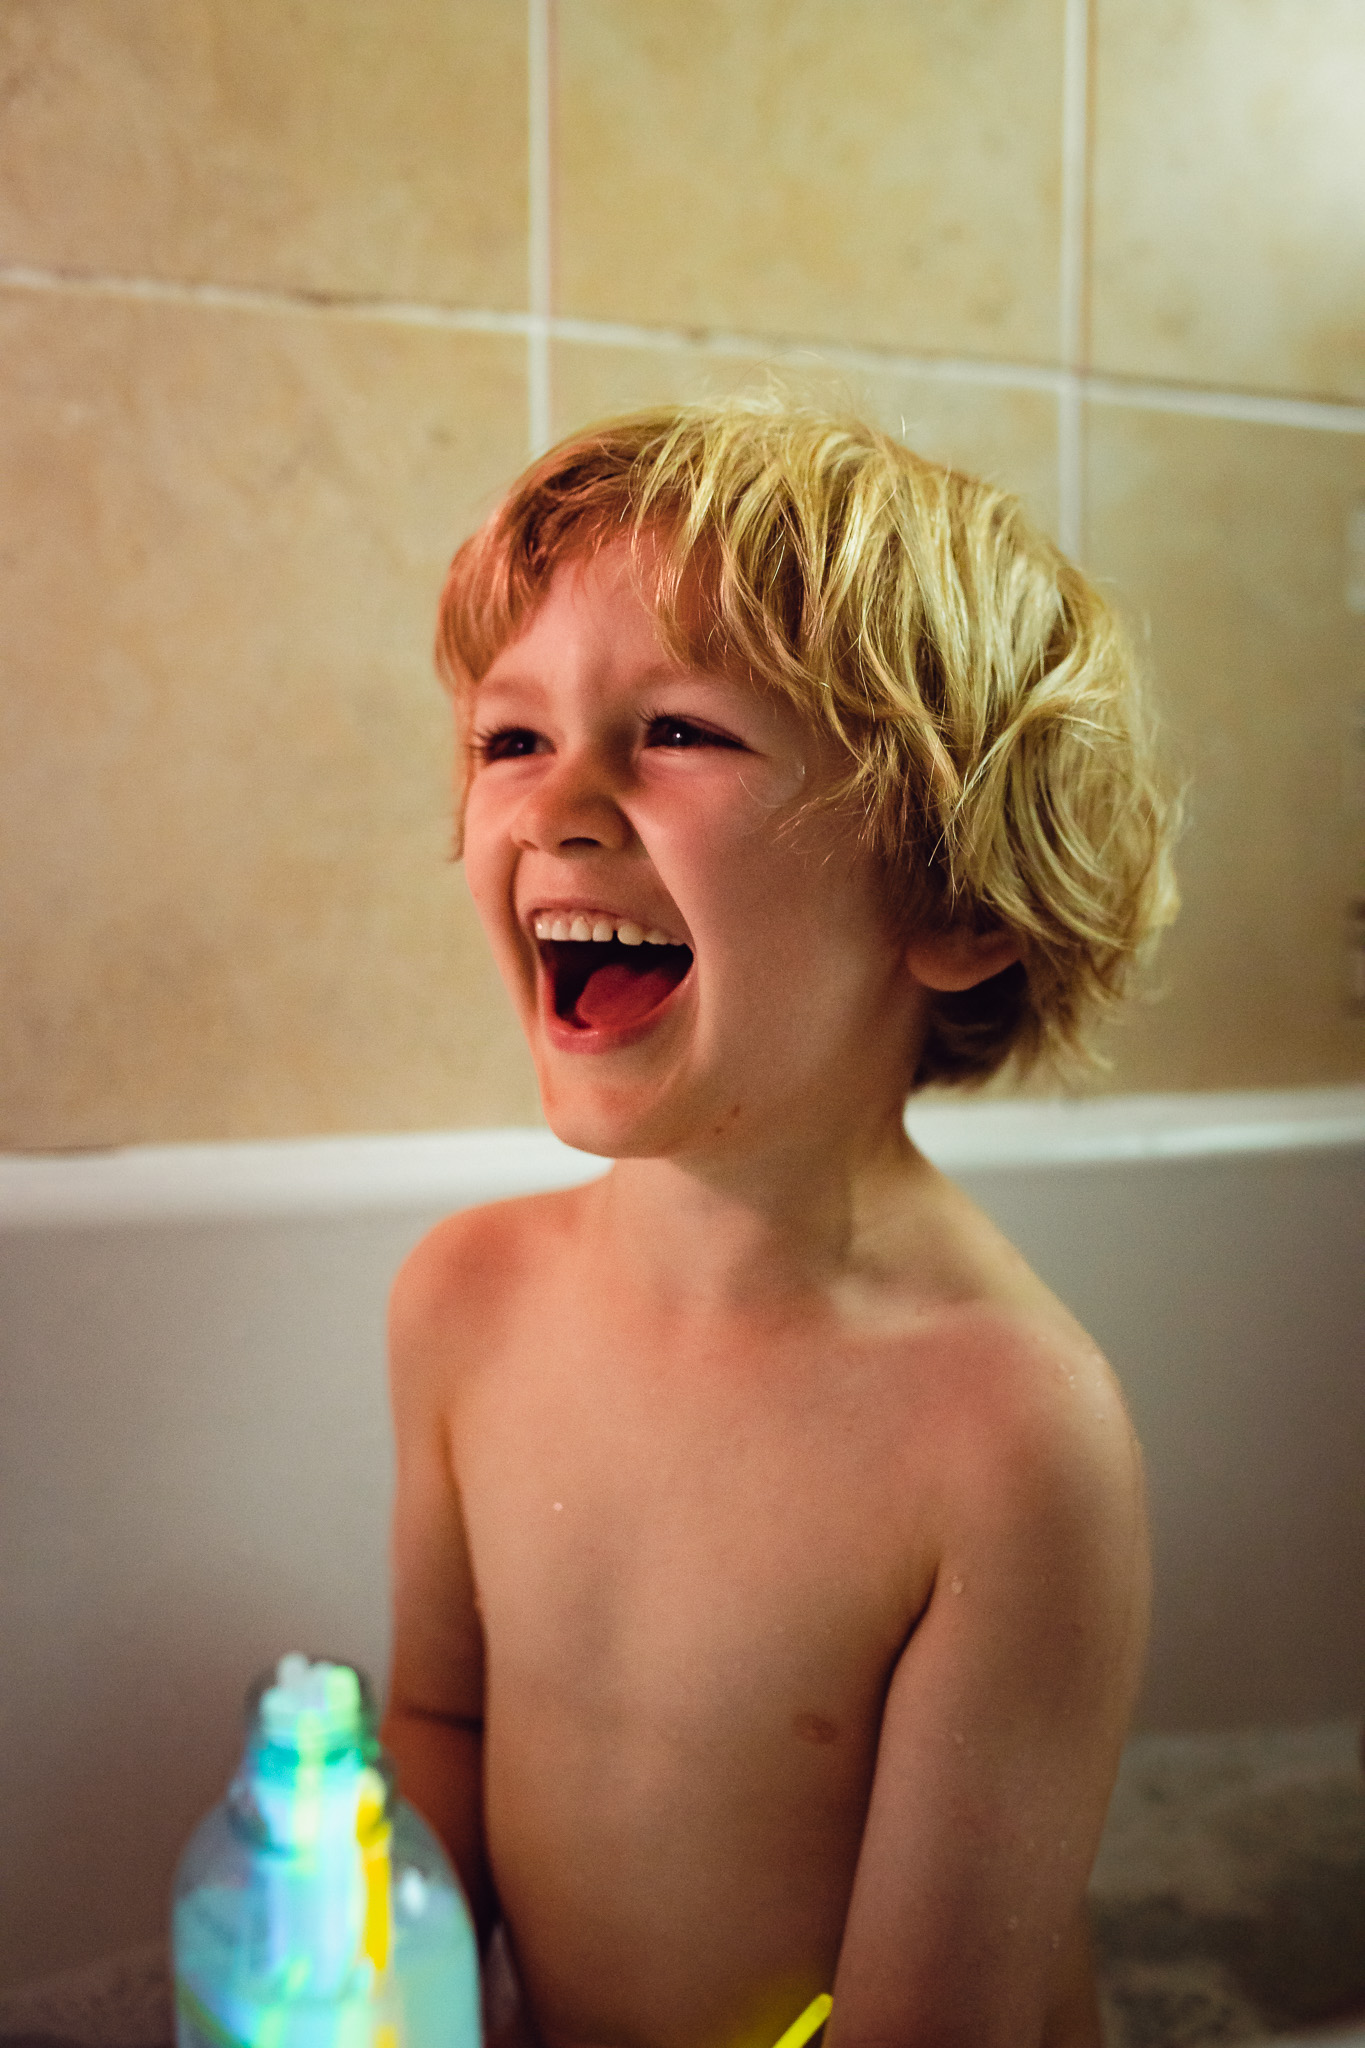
(600,930)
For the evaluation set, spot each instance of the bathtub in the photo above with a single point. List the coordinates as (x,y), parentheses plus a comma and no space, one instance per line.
(196,1469)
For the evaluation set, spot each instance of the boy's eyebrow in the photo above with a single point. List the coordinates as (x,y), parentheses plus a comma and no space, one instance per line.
(659,675)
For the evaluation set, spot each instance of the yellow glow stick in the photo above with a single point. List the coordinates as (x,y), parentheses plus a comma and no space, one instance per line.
(373,1834)
(810,2022)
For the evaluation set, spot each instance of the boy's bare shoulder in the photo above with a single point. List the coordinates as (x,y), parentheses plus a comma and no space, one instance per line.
(1024,1404)
(1039,1425)
(458,1281)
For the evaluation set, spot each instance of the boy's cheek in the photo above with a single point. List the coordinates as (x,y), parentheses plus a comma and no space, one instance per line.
(489,882)
(487,831)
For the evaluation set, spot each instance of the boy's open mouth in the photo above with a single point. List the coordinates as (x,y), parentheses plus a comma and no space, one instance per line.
(608,986)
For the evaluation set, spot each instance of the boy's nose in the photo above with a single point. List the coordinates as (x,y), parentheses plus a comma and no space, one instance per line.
(573,806)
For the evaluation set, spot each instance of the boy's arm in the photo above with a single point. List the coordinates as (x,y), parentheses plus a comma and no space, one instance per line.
(433,1724)
(1000,1735)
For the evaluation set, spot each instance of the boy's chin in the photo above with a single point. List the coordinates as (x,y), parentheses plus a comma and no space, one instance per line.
(605,1135)
(608,1123)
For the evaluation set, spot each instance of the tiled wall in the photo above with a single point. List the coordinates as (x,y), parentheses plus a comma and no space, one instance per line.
(287,293)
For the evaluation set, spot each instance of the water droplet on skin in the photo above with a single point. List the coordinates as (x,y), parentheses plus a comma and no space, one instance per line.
(955,1585)
(558,1506)
(782,787)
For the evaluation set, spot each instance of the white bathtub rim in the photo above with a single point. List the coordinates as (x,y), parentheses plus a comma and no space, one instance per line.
(1113,1128)
(276,1177)
(453,1169)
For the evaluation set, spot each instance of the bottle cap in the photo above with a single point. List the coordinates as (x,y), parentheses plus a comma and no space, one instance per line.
(315,1708)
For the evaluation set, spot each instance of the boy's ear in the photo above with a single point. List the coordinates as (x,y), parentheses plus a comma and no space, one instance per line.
(949,961)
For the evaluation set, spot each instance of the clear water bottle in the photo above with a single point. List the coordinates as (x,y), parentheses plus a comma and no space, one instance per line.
(313,1908)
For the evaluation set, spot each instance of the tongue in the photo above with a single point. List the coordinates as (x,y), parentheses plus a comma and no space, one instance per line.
(617,996)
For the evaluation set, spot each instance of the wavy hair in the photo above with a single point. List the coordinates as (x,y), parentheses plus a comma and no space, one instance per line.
(999,744)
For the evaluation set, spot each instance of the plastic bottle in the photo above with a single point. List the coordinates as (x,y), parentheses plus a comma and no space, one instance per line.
(313,1908)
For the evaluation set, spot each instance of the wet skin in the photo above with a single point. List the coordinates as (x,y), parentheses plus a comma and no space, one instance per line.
(769,1561)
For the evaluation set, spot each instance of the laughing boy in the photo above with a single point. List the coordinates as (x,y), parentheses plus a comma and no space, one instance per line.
(770,1567)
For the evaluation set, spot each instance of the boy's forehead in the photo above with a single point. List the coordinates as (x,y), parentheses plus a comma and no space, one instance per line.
(587,596)
(602,608)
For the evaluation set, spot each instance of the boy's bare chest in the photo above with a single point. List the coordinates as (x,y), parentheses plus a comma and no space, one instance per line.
(699,1542)
(696,1571)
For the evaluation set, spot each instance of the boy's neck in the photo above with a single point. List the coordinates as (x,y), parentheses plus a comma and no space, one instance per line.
(751,1229)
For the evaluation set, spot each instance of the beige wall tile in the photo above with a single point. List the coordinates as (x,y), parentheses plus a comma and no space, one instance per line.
(1227,542)
(864,170)
(1008,435)
(330,145)
(1229,193)
(224,893)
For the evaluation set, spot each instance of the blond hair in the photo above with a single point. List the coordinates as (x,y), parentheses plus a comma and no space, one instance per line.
(998,744)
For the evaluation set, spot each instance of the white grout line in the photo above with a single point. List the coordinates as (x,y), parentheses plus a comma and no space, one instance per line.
(539,238)
(1258,409)
(1075,172)
(1071,284)
(794,351)
(234,298)
(1071,466)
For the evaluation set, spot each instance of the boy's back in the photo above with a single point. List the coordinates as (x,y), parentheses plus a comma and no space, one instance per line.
(769,1555)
